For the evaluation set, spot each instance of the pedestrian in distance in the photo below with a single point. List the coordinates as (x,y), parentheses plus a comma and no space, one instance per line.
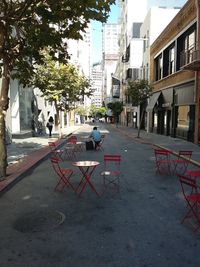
(50,125)
(96,136)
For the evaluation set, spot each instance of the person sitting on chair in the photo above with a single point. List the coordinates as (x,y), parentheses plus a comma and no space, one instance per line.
(96,136)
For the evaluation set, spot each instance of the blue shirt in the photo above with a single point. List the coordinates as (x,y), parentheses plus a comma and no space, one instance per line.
(95,134)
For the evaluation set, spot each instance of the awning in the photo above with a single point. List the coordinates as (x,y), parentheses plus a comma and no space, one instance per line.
(167,98)
(152,101)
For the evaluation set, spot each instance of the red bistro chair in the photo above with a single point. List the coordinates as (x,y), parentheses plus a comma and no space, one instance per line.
(182,162)
(72,139)
(100,145)
(55,152)
(63,174)
(192,198)
(162,161)
(112,172)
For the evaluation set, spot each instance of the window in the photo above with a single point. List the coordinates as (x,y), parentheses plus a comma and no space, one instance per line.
(158,67)
(189,45)
(185,46)
(171,60)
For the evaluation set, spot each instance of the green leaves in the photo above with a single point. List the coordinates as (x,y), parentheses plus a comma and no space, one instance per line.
(28,26)
(139,91)
(60,83)
(116,107)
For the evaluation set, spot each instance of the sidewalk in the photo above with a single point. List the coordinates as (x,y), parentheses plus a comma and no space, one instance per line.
(162,141)
(26,152)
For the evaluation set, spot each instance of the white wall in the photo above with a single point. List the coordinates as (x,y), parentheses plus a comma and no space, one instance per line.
(136,53)
(152,27)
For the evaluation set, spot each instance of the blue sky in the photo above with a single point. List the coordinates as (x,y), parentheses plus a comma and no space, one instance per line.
(113,18)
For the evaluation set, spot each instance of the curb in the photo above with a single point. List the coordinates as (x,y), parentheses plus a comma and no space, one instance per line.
(194,162)
(145,141)
(18,170)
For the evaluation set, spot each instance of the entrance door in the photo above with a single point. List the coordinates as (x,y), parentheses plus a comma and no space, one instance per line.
(167,120)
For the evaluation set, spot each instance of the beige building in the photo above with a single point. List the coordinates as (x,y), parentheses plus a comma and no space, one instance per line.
(174,74)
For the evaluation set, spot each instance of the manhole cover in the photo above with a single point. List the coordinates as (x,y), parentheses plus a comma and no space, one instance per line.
(39,221)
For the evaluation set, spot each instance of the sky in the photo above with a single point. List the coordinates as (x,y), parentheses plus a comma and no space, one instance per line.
(113,18)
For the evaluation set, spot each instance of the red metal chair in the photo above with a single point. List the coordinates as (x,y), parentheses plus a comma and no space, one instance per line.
(162,161)
(55,152)
(112,172)
(72,139)
(63,174)
(100,145)
(182,162)
(192,198)
(69,152)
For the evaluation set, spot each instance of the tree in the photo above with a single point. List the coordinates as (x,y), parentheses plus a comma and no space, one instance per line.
(26,27)
(93,111)
(81,111)
(139,91)
(116,108)
(101,112)
(61,84)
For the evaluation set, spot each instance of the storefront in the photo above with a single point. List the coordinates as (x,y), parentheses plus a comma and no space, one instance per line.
(172,111)
(152,109)
(166,111)
(184,111)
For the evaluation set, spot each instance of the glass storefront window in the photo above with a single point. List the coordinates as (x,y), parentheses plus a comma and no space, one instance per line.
(155,119)
(165,120)
(183,118)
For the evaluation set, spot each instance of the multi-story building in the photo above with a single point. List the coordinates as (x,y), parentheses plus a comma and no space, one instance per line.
(149,31)
(80,56)
(110,54)
(131,49)
(96,77)
(174,73)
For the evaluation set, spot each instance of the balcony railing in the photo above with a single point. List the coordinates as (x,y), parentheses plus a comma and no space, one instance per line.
(190,59)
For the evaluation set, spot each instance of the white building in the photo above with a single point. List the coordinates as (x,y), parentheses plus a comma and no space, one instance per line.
(150,30)
(80,56)
(131,51)
(96,76)
(110,56)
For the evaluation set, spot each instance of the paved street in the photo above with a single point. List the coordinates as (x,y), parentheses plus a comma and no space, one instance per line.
(140,227)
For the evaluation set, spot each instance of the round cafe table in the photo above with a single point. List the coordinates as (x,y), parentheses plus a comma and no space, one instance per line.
(86,168)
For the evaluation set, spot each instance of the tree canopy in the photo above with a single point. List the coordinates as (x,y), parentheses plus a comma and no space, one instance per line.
(116,107)
(61,83)
(27,27)
(139,91)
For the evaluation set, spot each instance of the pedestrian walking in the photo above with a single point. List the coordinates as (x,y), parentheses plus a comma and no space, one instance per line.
(50,125)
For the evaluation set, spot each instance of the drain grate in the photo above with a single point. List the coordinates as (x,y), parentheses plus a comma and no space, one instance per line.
(39,221)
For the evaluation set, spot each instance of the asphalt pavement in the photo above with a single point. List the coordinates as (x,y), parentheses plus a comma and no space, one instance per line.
(137,227)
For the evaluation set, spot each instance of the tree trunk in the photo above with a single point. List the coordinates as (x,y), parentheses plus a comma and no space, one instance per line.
(141,119)
(4,103)
(58,119)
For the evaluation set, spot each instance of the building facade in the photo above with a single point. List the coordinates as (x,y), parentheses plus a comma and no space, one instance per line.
(110,54)
(131,52)
(149,31)
(96,77)
(174,74)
